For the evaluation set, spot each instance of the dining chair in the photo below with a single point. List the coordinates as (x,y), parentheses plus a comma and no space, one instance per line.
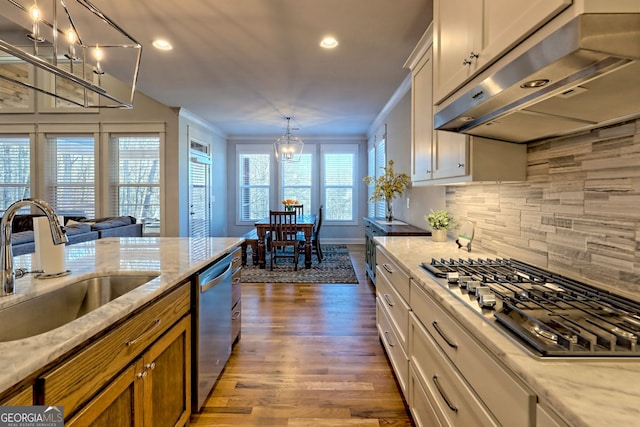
(315,237)
(283,229)
(298,209)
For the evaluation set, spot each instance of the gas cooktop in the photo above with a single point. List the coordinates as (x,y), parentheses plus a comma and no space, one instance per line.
(549,313)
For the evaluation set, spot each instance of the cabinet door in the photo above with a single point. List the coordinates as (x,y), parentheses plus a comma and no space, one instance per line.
(470,35)
(422,118)
(167,385)
(507,22)
(457,24)
(116,404)
(451,152)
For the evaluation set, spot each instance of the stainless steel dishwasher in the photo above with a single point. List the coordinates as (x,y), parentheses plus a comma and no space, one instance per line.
(211,327)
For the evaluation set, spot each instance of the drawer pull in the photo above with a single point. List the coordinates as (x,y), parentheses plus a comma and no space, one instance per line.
(142,374)
(149,329)
(451,406)
(236,314)
(386,267)
(150,366)
(444,337)
(386,337)
(388,300)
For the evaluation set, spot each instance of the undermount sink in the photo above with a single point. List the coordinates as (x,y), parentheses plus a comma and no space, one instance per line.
(61,306)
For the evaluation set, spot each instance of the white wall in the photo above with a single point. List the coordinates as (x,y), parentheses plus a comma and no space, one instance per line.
(330,234)
(397,118)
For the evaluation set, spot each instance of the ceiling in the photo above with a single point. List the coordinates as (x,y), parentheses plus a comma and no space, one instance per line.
(246,65)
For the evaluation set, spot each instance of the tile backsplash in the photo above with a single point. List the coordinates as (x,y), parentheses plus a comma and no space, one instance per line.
(578,212)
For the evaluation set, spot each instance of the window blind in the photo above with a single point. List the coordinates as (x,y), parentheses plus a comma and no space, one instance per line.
(15,170)
(135,179)
(70,174)
(338,186)
(255,173)
(297,179)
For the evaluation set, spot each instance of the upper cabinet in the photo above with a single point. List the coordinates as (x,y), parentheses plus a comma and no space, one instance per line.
(469,35)
(422,124)
(439,157)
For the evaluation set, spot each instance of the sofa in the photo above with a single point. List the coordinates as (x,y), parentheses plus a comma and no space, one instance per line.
(78,229)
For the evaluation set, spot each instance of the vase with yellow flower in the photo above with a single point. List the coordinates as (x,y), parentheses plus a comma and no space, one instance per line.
(388,186)
(288,204)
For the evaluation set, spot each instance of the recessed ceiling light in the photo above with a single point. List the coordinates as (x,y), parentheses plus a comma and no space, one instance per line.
(162,44)
(329,42)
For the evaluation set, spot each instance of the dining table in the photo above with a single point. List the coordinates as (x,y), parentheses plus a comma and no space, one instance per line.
(305,224)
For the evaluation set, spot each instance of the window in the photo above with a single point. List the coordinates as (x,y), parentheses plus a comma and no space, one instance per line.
(296,181)
(254,178)
(339,172)
(70,175)
(15,170)
(376,161)
(135,179)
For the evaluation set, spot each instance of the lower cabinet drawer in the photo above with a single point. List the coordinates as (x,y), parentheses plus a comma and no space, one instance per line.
(236,320)
(452,395)
(396,307)
(397,277)
(398,357)
(546,417)
(509,400)
(422,410)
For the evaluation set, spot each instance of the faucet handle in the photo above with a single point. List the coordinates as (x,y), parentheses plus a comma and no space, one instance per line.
(20,272)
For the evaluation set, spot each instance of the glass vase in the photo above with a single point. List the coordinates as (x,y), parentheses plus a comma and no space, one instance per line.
(389,212)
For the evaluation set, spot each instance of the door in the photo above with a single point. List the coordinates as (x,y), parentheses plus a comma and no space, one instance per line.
(199,190)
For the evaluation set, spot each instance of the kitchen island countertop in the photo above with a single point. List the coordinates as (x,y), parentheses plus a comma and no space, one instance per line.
(175,258)
(587,392)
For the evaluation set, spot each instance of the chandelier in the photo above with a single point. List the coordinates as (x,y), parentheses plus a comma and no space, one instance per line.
(288,148)
(70,50)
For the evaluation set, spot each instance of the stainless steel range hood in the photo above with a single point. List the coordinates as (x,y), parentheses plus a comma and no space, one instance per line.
(584,75)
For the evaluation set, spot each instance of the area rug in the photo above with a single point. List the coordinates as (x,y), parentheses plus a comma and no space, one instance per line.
(336,267)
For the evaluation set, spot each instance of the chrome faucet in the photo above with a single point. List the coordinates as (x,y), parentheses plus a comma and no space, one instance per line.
(6,252)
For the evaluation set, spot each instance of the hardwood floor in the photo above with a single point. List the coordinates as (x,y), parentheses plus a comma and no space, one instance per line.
(309,355)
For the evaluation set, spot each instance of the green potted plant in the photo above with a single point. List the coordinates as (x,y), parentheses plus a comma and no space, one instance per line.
(388,186)
(440,222)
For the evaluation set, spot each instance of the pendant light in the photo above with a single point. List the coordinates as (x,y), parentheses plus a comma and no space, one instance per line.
(288,148)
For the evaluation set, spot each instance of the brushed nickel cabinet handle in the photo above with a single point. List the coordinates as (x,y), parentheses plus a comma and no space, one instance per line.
(388,300)
(466,62)
(473,55)
(451,406)
(386,267)
(149,329)
(442,334)
(460,165)
(386,337)
(235,316)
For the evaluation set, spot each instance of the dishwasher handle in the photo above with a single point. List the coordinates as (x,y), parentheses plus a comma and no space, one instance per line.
(207,283)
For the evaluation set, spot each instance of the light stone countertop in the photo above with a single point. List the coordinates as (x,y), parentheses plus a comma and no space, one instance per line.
(592,392)
(175,258)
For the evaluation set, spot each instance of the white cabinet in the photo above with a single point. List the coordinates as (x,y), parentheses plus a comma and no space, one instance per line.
(439,157)
(422,117)
(455,403)
(507,398)
(392,315)
(469,35)
(546,417)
